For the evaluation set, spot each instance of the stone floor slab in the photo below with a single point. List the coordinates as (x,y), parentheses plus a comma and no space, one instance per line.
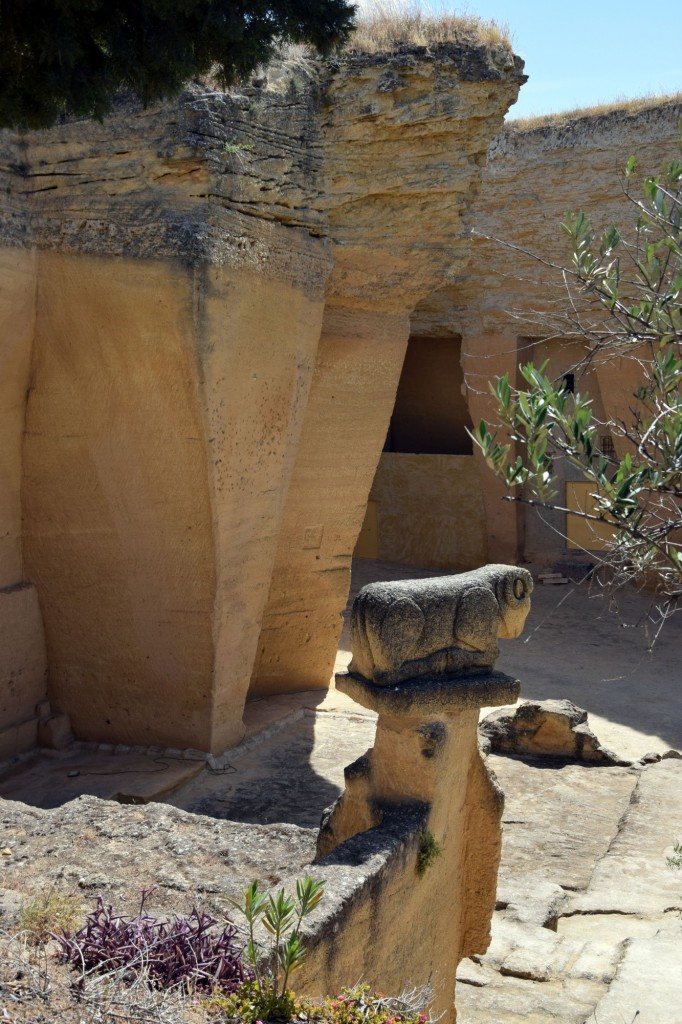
(131,778)
(601,836)
(648,986)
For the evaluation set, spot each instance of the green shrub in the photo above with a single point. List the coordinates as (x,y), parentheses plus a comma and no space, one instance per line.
(429,850)
(676,860)
(359,1005)
(267,995)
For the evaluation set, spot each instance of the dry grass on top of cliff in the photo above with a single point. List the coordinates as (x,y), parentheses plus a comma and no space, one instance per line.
(384,25)
(565,117)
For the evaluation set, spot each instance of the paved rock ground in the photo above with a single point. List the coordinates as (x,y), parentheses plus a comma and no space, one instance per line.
(587,926)
(292,777)
(588,921)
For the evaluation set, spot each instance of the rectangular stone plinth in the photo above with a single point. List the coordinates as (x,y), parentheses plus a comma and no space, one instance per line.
(431,697)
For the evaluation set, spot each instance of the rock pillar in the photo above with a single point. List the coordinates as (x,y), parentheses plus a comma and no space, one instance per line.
(402,143)
(426,753)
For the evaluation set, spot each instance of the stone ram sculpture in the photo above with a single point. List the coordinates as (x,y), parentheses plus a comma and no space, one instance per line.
(443,626)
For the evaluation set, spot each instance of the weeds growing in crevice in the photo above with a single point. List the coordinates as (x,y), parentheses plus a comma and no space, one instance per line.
(429,851)
(142,970)
(383,25)
(357,1005)
(267,996)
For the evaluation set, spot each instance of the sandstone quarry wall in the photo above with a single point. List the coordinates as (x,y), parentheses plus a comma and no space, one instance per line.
(404,140)
(207,307)
(23,668)
(430,511)
(533,176)
(170,353)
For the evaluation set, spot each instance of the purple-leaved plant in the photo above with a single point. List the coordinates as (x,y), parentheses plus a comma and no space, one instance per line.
(184,952)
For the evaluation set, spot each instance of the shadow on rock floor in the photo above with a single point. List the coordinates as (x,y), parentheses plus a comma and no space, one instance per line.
(288,777)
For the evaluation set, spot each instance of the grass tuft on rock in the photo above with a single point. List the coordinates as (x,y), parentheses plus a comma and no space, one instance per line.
(49,911)
(560,119)
(385,25)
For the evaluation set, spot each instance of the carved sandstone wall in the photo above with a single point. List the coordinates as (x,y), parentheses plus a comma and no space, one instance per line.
(404,141)
(532,177)
(205,311)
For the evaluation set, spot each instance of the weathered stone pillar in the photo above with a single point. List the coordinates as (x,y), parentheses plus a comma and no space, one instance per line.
(402,143)
(423,656)
(426,753)
(425,741)
(161,312)
(351,399)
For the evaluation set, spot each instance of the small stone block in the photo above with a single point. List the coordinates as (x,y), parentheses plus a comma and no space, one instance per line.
(55,732)
(43,709)
(192,754)
(122,748)
(105,748)
(217,762)
(431,698)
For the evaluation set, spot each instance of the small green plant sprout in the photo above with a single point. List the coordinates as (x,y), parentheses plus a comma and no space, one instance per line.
(281,915)
(47,912)
(237,147)
(675,860)
(429,850)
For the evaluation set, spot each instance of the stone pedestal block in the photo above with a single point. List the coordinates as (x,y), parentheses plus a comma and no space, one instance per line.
(426,756)
(425,738)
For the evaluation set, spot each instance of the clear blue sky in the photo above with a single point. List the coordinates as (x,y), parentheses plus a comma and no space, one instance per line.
(582,52)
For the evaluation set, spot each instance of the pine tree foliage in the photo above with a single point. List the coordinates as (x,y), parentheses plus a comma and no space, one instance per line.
(72,56)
